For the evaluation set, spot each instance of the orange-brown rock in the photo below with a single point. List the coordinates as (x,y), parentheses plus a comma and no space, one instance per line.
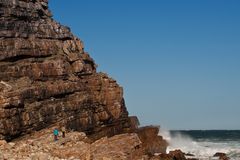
(75,145)
(152,142)
(46,77)
(172,155)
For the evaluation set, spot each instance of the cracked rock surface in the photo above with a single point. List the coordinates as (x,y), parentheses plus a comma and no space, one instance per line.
(47,78)
(75,146)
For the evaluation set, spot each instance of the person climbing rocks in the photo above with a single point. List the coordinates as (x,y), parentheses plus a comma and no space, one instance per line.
(63,129)
(55,133)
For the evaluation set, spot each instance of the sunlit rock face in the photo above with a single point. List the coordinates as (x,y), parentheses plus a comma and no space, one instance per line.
(47,78)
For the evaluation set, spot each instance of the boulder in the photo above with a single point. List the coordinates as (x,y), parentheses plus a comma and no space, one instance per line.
(222,156)
(177,155)
(152,142)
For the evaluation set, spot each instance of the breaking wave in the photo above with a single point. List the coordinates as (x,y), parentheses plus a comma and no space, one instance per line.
(202,145)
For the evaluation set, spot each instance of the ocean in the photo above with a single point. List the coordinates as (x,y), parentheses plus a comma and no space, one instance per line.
(205,143)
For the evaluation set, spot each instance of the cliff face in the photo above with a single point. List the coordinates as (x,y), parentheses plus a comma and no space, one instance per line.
(47,78)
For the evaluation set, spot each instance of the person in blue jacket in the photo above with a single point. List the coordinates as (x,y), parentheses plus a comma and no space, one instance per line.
(55,133)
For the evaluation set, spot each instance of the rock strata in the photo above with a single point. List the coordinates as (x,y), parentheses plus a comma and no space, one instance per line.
(46,77)
(46,80)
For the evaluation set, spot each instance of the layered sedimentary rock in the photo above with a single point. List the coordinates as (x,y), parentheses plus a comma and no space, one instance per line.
(46,77)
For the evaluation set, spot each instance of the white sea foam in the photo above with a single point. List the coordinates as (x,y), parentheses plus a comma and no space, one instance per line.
(205,149)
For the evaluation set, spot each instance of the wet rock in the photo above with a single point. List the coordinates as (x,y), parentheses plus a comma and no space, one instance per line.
(177,154)
(222,156)
(172,155)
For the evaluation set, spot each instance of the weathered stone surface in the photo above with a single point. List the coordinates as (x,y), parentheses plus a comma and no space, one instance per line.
(46,77)
(152,142)
(75,145)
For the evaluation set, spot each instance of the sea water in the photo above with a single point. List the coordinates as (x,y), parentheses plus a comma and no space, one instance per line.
(205,143)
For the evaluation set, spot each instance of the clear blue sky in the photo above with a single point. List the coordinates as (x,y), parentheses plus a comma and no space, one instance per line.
(178,61)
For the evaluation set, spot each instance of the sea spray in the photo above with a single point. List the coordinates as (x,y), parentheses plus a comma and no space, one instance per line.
(179,141)
(203,144)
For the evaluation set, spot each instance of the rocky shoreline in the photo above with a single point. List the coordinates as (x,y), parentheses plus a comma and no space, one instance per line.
(77,146)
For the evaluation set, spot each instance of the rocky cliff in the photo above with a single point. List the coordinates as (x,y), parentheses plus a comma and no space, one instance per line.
(47,78)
